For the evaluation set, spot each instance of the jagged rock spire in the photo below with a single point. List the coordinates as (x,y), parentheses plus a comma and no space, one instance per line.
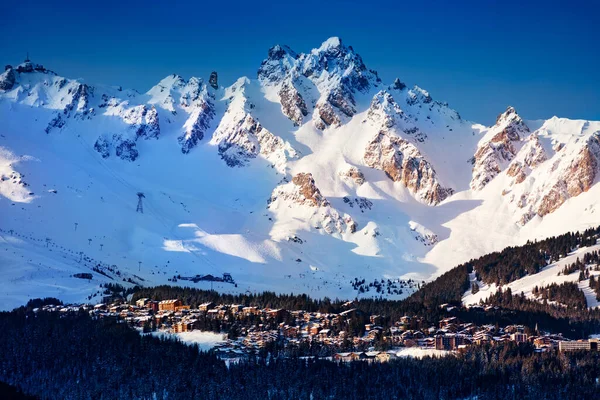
(213,80)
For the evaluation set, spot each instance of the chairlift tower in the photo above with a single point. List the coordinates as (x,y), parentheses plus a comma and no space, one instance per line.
(140,206)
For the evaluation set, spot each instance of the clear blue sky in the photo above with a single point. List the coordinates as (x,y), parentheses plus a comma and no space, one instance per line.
(480,56)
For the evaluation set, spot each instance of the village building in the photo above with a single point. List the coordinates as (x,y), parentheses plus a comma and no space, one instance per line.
(169,305)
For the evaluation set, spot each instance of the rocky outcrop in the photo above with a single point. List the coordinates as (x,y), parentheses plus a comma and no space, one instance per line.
(498,148)
(309,193)
(402,162)
(7,78)
(384,110)
(576,179)
(143,120)
(303,192)
(213,80)
(292,103)
(529,157)
(123,148)
(353,174)
(196,125)
(277,66)
(246,138)
(387,115)
(192,98)
(417,95)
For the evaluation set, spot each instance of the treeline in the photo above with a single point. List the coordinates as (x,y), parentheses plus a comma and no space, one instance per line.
(566,293)
(436,293)
(75,357)
(195,297)
(582,266)
(575,323)
(595,286)
(514,263)
(448,288)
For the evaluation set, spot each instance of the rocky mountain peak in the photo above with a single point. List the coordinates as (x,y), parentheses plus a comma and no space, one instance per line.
(278,64)
(278,52)
(333,43)
(498,148)
(398,85)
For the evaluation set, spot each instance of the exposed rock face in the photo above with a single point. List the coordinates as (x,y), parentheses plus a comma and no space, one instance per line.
(123,148)
(279,62)
(387,115)
(309,191)
(7,79)
(498,148)
(196,125)
(80,98)
(576,179)
(385,111)
(191,98)
(213,80)
(246,139)
(144,121)
(529,157)
(418,95)
(353,174)
(398,85)
(292,103)
(302,191)
(402,162)
(361,202)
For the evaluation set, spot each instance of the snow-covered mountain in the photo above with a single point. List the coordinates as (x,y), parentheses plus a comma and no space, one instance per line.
(302,179)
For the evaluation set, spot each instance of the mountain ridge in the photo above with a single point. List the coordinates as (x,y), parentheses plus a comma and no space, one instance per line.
(395,184)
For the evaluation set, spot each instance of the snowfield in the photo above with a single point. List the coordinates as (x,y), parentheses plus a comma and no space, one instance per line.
(203,339)
(312,175)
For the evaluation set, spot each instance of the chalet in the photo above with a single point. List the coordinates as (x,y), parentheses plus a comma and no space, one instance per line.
(482,337)
(142,302)
(448,321)
(236,308)
(518,337)
(206,306)
(251,311)
(542,341)
(277,314)
(169,305)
